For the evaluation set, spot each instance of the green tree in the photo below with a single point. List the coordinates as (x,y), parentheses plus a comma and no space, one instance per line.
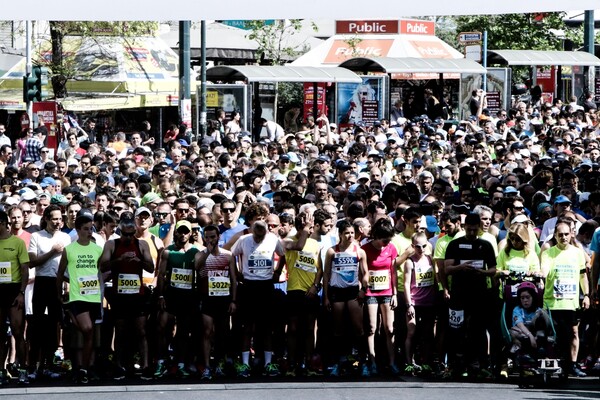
(61,65)
(275,44)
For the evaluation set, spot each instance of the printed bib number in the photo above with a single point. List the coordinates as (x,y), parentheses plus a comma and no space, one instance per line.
(181,278)
(456,318)
(260,265)
(379,280)
(306,262)
(424,276)
(474,263)
(345,265)
(218,286)
(565,289)
(89,285)
(129,284)
(5,272)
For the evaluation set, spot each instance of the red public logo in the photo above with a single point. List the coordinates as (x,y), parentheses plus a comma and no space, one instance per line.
(417,27)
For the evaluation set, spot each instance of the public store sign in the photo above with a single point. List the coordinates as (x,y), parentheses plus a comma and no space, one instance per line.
(386,27)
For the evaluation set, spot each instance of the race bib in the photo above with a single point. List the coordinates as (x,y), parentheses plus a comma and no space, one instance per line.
(128,284)
(379,280)
(474,263)
(424,275)
(89,285)
(181,278)
(5,272)
(260,265)
(306,262)
(456,318)
(565,289)
(218,286)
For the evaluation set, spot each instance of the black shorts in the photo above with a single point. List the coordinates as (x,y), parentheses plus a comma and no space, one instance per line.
(255,301)
(566,317)
(128,306)
(80,307)
(180,302)
(215,306)
(342,295)
(298,303)
(8,294)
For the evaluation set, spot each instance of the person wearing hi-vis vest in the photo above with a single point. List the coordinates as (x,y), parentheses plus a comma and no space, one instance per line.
(469,262)
(176,297)
(80,261)
(217,286)
(126,258)
(564,267)
(14,274)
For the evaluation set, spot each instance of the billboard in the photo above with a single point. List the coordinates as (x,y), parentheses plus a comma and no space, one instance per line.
(361,102)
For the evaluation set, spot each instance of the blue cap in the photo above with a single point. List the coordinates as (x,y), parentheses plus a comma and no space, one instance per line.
(432,225)
(48,181)
(562,199)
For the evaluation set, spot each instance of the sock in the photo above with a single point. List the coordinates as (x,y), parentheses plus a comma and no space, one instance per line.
(268,357)
(180,365)
(246,357)
(161,361)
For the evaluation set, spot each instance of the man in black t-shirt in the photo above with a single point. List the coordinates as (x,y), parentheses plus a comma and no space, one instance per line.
(470,263)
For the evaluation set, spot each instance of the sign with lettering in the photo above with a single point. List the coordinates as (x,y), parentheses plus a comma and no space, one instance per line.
(417,27)
(341,50)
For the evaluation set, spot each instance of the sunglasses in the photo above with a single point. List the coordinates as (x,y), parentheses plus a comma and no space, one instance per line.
(163,214)
(420,246)
(273,226)
(118,209)
(227,210)
(183,210)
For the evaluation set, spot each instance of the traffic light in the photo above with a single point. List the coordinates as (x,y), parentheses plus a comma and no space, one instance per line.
(33,84)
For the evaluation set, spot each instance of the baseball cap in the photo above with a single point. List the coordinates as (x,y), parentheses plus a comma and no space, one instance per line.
(519,219)
(183,223)
(278,177)
(324,158)
(48,181)
(561,200)
(510,189)
(417,162)
(59,199)
(84,215)
(27,194)
(149,197)
(142,210)
(432,225)
(293,157)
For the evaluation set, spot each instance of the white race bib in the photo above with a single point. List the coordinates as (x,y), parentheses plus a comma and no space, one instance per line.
(424,275)
(306,262)
(565,289)
(128,284)
(89,285)
(456,318)
(379,280)
(5,272)
(218,286)
(260,265)
(181,278)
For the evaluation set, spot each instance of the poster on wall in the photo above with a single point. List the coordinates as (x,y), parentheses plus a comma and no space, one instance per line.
(309,99)
(360,103)
(229,98)
(498,90)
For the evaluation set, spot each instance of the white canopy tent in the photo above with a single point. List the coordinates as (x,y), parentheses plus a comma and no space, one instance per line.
(157,10)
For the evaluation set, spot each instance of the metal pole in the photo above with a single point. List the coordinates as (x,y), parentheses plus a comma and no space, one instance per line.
(184,72)
(29,66)
(203,79)
(484,59)
(588,42)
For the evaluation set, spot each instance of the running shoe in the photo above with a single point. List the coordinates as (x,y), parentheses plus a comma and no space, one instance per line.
(220,370)
(23,377)
(181,372)
(161,370)
(206,374)
(484,374)
(243,371)
(374,370)
(119,373)
(4,379)
(310,372)
(576,371)
(394,370)
(147,374)
(335,370)
(425,369)
(291,372)
(12,370)
(50,374)
(366,372)
(410,369)
(596,366)
(82,376)
(272,369)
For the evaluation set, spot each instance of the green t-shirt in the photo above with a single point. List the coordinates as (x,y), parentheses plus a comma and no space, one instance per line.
(401,243)
(13,254)
(564,272)
(82,266)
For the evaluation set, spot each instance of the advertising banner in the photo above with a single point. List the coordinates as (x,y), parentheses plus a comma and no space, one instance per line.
(309,99)
(360,103)
(229,98)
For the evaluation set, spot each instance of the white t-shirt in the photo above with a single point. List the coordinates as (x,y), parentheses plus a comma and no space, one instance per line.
(258,261)
(41,243)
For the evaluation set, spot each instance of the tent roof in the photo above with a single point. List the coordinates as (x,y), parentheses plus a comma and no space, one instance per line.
(392,65)
(339,48)
(539,57)
(257,73)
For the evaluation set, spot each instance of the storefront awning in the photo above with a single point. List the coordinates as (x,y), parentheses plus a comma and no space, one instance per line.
(257,73)
(393,65)
(104,102)
(539,57)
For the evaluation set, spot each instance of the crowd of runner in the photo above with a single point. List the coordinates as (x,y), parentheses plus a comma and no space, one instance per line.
(358,251)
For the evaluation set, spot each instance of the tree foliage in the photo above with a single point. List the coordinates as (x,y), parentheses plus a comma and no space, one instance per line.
(275,44)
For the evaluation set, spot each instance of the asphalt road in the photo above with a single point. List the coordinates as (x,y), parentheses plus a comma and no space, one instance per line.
(587,388)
